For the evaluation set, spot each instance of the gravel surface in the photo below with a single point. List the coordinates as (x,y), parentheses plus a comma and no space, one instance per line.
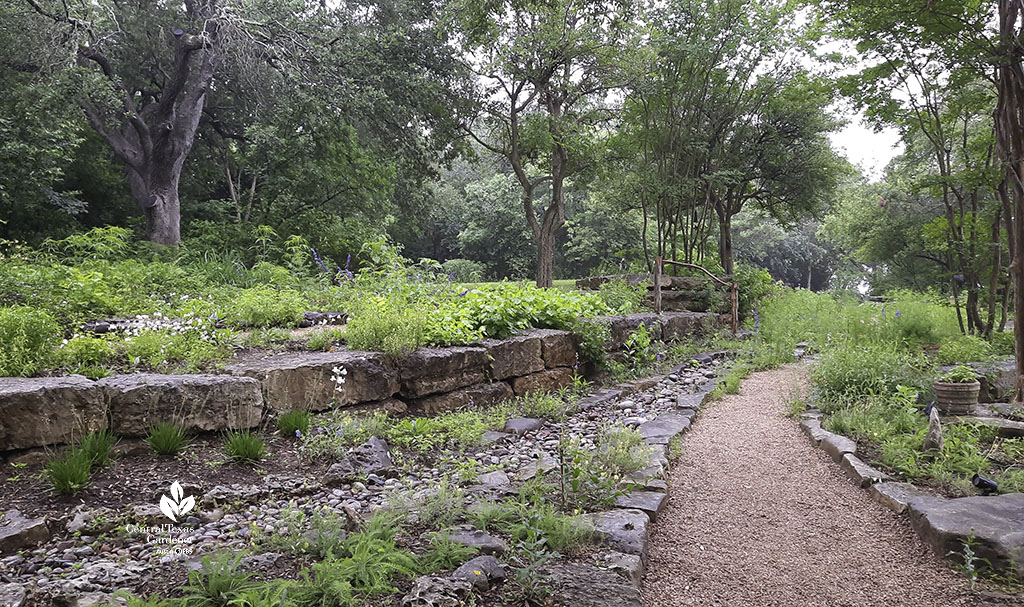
(759,517)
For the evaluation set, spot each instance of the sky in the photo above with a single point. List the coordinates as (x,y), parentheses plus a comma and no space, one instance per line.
(865,148)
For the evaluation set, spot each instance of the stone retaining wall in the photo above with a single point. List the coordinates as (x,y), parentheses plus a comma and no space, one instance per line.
(36,412)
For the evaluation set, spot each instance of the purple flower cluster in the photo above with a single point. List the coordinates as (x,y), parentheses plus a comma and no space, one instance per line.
(316,257)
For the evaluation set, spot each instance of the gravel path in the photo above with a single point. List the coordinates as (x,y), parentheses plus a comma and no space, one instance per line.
(759,517)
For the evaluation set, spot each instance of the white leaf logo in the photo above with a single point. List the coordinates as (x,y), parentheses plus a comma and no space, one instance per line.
(176,505)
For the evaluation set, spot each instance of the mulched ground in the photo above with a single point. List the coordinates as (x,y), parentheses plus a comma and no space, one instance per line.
(759,517)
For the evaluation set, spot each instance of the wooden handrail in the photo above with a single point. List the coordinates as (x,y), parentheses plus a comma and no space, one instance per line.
(733,287)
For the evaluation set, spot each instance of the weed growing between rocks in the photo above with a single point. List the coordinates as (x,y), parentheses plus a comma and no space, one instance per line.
(69,472)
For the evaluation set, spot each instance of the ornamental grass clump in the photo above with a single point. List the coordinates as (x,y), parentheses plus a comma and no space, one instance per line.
(245,447)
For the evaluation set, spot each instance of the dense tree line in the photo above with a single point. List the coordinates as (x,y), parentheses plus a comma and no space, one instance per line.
(584,136)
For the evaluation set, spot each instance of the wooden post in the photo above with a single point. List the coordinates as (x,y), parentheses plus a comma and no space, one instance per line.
(735,308)
(657,285)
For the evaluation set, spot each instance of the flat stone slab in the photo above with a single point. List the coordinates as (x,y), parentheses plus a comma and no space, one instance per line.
(18,532)
(895,496)
(1004,427)
(481,541)
(303,381)
(515,356)
(860,473)
(650,502)
(529,471)
(665,427)
(471,396)
(38,411)
(549,380)
(629,566)
(813,430)
(522,425)
(490,437)
(12,595)
(836,446)
(585,585)
(496,478)
(994,523)
(203,403)
(624,530)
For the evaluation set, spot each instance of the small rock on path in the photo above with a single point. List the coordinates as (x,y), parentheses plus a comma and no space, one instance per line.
(759,517)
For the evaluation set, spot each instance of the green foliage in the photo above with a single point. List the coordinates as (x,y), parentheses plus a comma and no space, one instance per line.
(27,338)
(86,352)
(622,298)
(294,423)
(386,325)
(244,446)
(594,478)
(463,270)
(97,446)
(754,285)
(444,554)
(965,348)
(70,472)
(167,438)
(217,583)
(320,534)
(960,374)
(326,339)
(265,306)
(592,335)
(638,347)
(872,369)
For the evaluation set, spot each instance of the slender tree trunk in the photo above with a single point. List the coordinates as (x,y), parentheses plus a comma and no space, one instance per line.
(724,235)
(1010,138)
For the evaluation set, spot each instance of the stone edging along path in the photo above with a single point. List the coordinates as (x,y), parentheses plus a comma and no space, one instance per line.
(994,524)
(36,412)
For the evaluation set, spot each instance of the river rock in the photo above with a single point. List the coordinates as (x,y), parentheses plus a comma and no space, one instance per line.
(481,572)
(371,457)
(18,532)
(437,591)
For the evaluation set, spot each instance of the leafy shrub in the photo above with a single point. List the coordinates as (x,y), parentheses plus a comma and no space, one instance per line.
(754,285)
(1002,343)
(70,472)
(294,423)
(873,369)
(965,348)
(267,307)
(166,438)
(86,351)
(592,335)
(167,351)
(541,405)
(638,347)
(321,534)
(326,339)
(244,446)
(27,338)
(386,325)
(960,374)
(463,270)
(621,297)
